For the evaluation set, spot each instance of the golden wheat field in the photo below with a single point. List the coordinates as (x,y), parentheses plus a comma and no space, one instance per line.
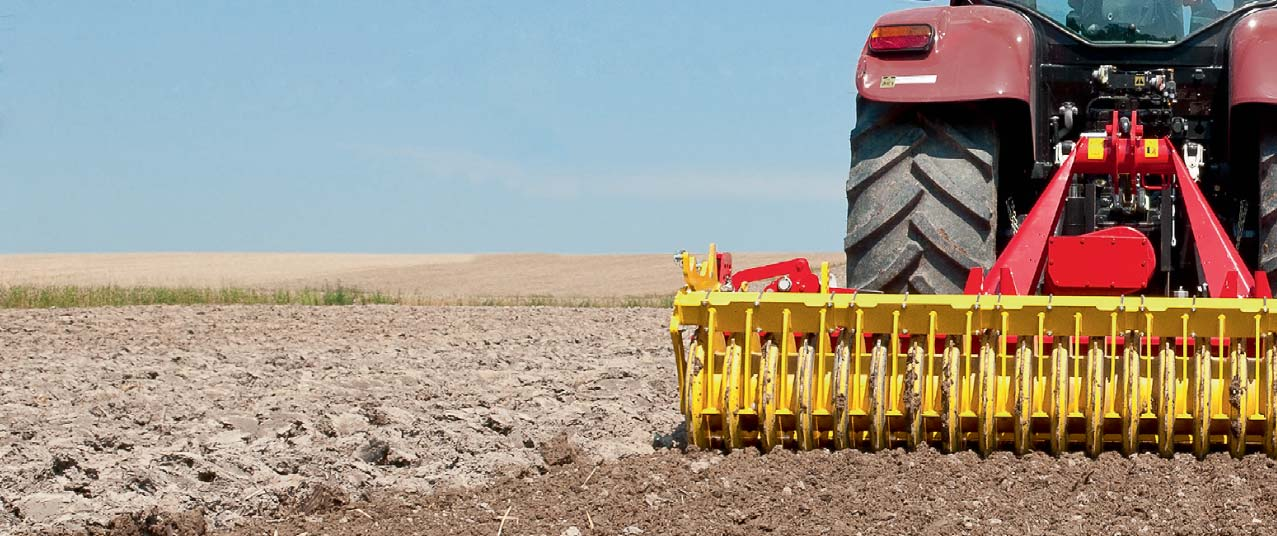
(440,277)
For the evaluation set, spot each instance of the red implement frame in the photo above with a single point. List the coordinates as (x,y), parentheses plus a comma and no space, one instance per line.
(798,271)
(1124,157)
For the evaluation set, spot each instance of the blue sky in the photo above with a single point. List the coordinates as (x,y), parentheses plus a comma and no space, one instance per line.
(444,126)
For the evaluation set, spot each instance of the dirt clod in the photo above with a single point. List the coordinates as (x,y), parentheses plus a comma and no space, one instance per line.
(375,415)
(62,463)
(320,499)
(158,523)
(559,450)
(374,451)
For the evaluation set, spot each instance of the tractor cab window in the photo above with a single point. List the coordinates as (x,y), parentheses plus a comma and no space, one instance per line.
(1133,21)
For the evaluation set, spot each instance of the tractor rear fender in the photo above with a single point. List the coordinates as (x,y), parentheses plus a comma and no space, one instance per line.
(1253,47)
(978,53)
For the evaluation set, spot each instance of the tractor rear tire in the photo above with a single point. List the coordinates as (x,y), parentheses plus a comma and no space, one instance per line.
(921,197)
(1268,197)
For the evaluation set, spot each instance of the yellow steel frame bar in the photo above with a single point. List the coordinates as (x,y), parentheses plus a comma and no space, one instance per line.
(875,371)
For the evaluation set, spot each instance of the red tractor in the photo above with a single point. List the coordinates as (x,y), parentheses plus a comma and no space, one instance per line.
(967,113)
(1128,308)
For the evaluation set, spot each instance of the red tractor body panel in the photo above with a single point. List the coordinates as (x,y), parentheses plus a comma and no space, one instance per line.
(1253,55)
(979,53)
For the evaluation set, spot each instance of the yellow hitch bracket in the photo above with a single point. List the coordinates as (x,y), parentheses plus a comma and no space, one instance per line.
(701,276)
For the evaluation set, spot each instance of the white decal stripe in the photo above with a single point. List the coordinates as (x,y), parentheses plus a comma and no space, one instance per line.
(916,79)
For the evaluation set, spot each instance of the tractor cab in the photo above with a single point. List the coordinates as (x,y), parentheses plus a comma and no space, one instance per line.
(1133,21)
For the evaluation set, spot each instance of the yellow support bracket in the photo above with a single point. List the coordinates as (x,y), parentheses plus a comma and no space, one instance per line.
(700,277)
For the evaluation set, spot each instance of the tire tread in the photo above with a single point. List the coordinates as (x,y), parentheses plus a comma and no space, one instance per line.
(921,198)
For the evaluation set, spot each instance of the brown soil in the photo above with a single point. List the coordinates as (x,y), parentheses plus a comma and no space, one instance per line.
(369,420)
(423,276)
(836,493)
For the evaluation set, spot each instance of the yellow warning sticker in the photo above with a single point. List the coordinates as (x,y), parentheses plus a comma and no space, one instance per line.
(1095,148)
(1141,80)
(1150,148)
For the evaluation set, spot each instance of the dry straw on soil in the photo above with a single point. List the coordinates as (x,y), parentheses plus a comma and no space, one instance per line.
(39,297)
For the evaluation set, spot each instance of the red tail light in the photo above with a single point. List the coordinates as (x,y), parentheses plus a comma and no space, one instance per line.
(901,38)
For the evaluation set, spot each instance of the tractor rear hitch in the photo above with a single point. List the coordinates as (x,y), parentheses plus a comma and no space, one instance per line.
(1037,259)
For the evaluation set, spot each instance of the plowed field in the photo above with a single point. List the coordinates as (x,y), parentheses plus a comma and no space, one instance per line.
(406,420)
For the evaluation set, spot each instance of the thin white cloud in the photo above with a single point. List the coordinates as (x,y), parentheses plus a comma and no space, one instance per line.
(477,169)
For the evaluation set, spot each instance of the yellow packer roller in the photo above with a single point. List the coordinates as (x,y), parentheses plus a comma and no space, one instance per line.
(833,368)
